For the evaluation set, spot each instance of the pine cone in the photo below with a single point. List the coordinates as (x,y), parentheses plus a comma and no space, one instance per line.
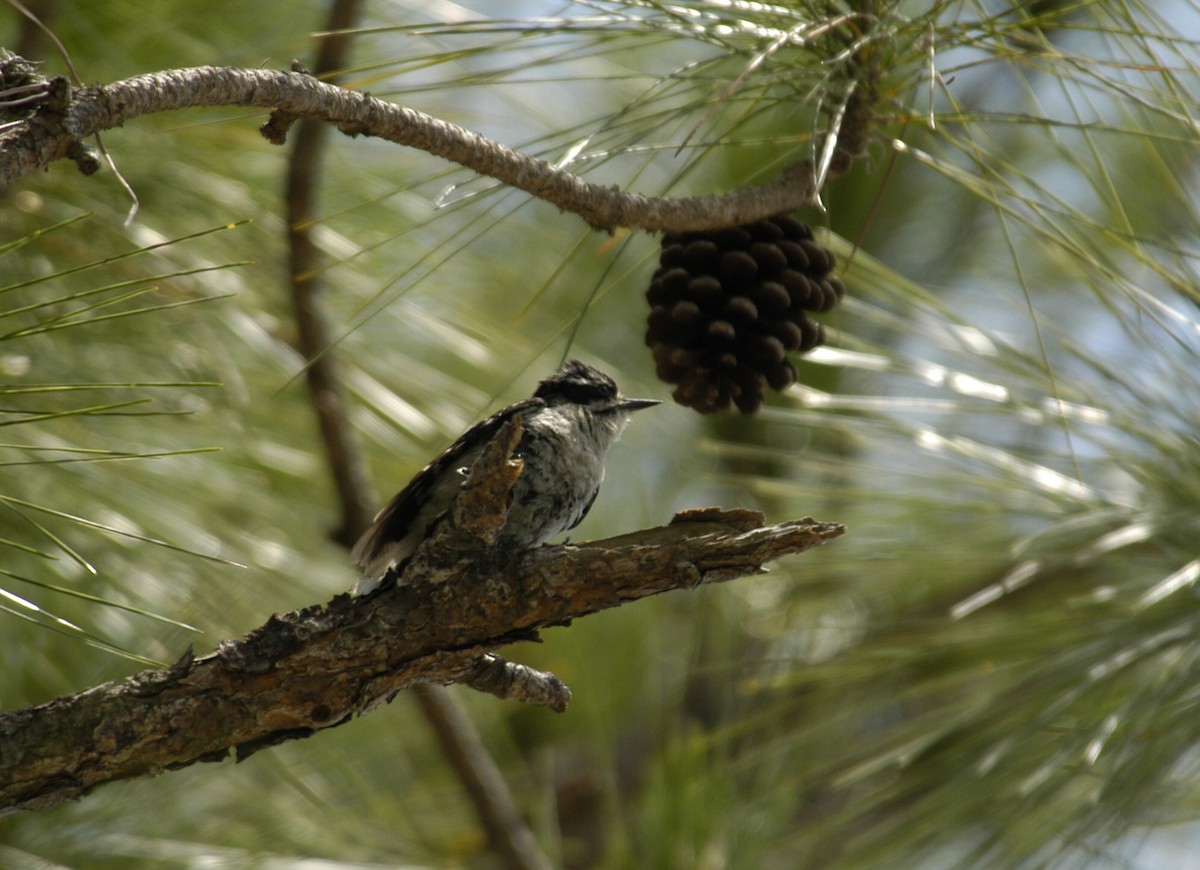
(727,305)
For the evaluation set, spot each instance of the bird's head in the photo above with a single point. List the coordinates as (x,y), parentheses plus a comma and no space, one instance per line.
(580,384)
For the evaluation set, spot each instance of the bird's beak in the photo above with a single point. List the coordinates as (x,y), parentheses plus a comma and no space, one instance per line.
(637,404)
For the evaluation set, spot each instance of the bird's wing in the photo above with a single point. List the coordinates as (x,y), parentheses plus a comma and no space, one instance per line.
(395,520)
(587,507)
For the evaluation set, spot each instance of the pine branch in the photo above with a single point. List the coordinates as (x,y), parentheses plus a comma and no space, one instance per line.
(318,667)
(51,123)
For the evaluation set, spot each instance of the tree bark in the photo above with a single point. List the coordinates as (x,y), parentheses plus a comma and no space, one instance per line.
(318,667)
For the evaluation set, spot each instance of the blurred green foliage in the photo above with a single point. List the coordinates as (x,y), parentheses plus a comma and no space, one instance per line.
(995,667)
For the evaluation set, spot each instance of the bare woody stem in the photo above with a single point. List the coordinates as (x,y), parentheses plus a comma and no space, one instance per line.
(319,667)
(63,124)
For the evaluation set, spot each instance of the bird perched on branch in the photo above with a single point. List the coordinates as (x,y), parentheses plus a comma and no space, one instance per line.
(572,419)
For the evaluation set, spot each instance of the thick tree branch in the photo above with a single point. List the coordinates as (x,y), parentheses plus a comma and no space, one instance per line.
(58,126)
(318,667)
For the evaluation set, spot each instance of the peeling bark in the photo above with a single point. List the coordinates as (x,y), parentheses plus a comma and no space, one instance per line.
(318,667)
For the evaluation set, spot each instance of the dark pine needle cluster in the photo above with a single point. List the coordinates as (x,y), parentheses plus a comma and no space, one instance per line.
(727,305)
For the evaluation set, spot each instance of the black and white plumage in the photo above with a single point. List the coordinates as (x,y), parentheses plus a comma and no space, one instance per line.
(572,419)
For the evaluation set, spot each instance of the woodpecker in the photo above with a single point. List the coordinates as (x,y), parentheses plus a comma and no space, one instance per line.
(571,420)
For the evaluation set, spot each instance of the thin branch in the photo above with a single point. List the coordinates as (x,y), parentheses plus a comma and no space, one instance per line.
(482,780)
(345,461)
(50,133)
